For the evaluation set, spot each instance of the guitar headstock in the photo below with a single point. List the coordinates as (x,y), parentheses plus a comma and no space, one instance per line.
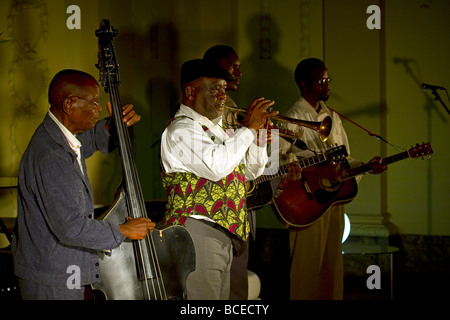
(420,151)
(107,63)
(336,154)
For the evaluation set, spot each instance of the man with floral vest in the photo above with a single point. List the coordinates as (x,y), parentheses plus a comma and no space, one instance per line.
(204,170)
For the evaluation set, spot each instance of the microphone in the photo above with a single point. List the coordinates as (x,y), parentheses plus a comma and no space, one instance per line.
(431,87)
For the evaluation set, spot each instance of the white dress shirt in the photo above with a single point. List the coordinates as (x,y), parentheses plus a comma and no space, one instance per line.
(301,109)
(186,146)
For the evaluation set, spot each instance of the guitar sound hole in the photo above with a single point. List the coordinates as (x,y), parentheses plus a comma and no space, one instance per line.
(329,185)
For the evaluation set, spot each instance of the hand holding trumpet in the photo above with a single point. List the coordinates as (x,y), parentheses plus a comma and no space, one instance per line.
(257,115)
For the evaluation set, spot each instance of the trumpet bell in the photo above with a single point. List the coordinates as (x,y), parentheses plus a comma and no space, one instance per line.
(325,129)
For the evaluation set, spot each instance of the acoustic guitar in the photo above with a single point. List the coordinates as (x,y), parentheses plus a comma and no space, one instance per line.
(304,201)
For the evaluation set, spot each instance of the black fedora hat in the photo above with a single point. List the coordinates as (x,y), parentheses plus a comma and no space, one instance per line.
(197,68)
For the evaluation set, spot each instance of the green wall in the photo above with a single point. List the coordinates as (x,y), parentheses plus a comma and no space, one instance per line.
(378,75)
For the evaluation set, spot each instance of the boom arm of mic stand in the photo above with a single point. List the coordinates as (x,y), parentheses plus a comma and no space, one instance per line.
(437,97)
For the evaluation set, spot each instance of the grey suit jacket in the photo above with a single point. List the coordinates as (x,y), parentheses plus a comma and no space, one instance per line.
(55,226)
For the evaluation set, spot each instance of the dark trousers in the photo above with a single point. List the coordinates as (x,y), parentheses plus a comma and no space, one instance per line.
(34,291)
(238,272)
(239,276)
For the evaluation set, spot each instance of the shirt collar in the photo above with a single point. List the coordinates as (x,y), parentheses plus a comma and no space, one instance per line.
(73,141)
(194,115)
(323,106)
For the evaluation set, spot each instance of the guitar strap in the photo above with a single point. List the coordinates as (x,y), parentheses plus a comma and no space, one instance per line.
(377,136)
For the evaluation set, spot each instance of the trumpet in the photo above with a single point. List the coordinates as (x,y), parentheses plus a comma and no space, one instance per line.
(322,127)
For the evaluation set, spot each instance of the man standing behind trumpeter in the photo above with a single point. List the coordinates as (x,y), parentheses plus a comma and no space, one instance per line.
(227,58)
(204,169)
(317,262)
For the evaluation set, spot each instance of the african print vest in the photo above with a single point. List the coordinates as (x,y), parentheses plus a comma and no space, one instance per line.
(223,201)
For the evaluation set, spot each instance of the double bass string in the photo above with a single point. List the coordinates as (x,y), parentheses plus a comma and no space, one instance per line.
(140,260)
(145,247)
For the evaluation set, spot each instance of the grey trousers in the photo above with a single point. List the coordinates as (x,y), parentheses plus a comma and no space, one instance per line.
(213,257)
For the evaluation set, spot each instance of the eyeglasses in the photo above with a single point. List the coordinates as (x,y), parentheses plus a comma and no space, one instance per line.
(95,103)
(323,81)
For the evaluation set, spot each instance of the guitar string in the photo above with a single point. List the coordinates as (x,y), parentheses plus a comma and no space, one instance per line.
(305,162)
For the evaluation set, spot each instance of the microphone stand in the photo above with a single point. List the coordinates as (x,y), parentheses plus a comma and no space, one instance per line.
(437,97)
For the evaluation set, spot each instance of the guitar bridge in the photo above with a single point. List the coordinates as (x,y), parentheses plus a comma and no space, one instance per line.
(307,188)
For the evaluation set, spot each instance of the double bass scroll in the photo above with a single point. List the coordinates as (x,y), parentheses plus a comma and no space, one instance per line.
(156,267)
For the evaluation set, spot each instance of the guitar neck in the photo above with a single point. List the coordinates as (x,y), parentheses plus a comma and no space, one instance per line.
(366,167)
(283,170)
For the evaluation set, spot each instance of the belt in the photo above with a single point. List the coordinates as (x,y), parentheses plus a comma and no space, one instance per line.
(238,243)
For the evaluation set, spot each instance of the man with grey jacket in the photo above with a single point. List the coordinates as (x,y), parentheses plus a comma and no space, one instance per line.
(56,232)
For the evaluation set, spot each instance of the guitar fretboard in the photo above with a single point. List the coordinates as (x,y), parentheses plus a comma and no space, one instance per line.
(303,162)
(366,167)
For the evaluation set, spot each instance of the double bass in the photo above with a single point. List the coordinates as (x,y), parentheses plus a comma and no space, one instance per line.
(156,267)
